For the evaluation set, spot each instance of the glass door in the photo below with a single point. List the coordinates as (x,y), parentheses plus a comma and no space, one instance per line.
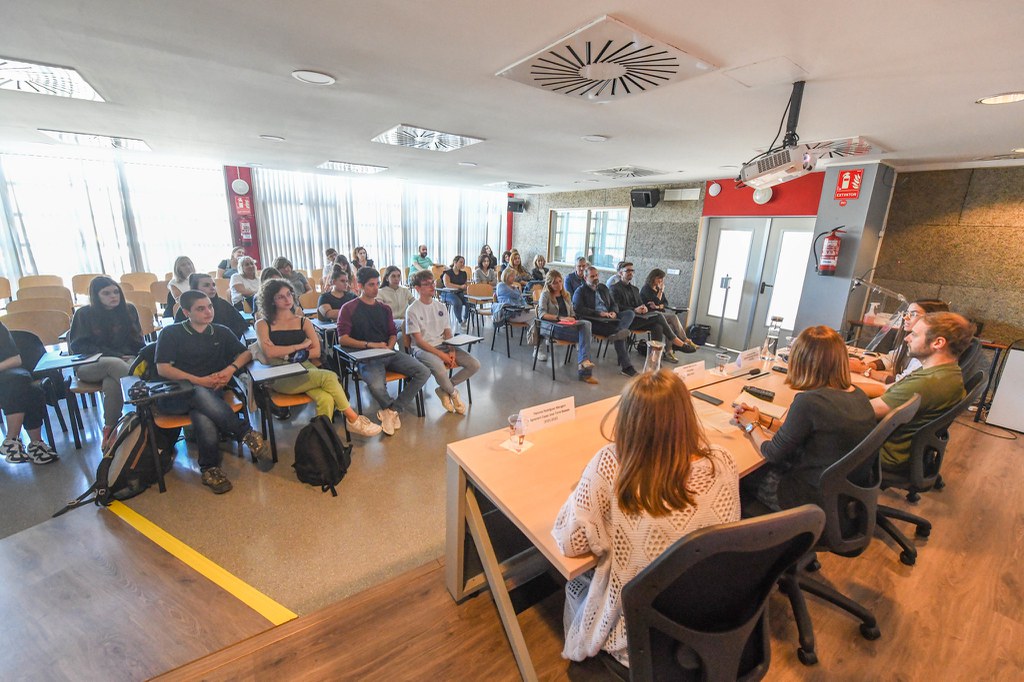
(782,278)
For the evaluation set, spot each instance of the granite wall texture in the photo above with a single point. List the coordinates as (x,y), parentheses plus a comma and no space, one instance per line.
(959,236)
(664,236)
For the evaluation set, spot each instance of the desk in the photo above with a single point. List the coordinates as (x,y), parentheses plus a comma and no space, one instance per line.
(261,374)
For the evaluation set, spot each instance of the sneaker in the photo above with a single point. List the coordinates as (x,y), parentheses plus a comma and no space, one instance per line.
(362,427)
(446,400)
(542,356)
(13,451)
(39,452)
(671,357)
(460,407)
(281,413)
(628,371)
(388,421)
(257,445)
(215,480)
(586,364)
(689,347)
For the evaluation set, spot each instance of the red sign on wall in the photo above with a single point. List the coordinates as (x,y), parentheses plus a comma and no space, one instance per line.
(848,184)
(243,206)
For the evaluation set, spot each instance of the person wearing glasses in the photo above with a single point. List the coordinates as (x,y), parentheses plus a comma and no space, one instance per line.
(898,364)
(627,296)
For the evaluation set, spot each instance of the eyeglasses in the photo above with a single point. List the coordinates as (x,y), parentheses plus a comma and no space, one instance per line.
(630,270)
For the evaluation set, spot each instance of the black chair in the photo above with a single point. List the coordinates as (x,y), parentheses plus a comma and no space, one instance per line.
(927,450)
(970,360)
(548,339)
(698,611)
(848,493)
(507,325)
(348,367)
(31,349)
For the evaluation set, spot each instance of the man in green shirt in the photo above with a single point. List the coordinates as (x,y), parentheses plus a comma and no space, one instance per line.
(937,341)
(420,261)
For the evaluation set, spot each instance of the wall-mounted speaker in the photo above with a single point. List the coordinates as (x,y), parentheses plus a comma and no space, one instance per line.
(517,205)
(644,198)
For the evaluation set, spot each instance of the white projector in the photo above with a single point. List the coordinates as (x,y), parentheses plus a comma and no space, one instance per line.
(778,167)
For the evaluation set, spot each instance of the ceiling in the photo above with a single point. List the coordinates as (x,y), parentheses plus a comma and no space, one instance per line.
(201,80)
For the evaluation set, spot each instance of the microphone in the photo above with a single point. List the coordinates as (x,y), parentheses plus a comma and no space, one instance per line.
(857,281)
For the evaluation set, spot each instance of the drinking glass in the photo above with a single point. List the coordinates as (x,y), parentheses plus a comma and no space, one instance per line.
(721,360)
(515,431)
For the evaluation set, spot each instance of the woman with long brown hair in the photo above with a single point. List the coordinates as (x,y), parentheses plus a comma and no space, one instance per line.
(657,481)
(555,306)
(825,421)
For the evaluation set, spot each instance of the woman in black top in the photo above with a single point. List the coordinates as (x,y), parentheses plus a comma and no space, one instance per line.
(653,296)
(108,325)
(456,278)
(23,404)
(827,419)
(285,335)
(359,259)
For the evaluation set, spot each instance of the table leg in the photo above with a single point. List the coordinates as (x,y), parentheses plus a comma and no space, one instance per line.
(496,581)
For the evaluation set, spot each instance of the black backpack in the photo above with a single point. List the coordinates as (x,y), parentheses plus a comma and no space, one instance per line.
(699,333)
(320,456)
(127,467)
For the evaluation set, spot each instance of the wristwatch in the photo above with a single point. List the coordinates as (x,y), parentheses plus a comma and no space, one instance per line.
(749,427)
(867,372)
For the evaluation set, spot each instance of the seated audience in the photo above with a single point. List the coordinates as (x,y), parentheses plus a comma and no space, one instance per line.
(421,261)
(485,272)
(178,284)
(511,305)
(555,306)
(515,263)
(284,333)
(456,277)
(485,250)
(110,326)
(330,302)
(936,340)
(298,281)
(594,302)
(367,323)
(540,270)
(395,296)
(896,365)
(244,284)
(330,257)
(627,297)
(828,418)
(653,296)
(505,255)
(23,404)
(207,355)
(359,259)
(223,312)
(269,273)
(426,323)
(659,478)
(229,266)
(577,277)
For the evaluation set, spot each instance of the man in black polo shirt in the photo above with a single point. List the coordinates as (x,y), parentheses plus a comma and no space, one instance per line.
(207,355)
(223,312)
(367,323)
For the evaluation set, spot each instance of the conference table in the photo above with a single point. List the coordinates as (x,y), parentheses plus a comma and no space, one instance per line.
(502,505)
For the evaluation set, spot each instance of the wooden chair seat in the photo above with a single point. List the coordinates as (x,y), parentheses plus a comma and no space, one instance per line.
(76,385)
(176,421)
(289,399)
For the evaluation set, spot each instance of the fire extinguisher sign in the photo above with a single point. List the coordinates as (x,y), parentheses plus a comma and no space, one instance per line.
(848,184)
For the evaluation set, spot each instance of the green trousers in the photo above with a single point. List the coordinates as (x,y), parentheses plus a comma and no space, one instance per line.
(321,385)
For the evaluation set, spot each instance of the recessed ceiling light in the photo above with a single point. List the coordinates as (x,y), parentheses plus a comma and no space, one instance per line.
(729,167)
(580,182)
(272,138)
(467,164)
(1019,150)
(103,141)
(344,166)
(1005,98)
(312,77)
(42,79)
(422,138)
(594,138)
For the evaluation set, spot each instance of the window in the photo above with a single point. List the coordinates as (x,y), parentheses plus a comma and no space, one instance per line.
(598,234)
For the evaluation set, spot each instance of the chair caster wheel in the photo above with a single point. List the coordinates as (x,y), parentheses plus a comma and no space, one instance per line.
(807,657)
(814,566)
(908,559)
(923,532)
(870,632)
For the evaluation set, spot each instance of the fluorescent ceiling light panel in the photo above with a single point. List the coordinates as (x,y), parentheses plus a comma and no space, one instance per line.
(604,61)
(43,79)
(102,141)
(423,138)
(361,168)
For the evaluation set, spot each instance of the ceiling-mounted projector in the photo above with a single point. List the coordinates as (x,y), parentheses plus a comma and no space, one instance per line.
(778,167)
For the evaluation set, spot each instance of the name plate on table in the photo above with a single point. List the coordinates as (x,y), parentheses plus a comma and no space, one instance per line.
(694,370)
(749,358)
(548,414)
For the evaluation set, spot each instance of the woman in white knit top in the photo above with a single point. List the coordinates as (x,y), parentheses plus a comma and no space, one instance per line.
(658,481)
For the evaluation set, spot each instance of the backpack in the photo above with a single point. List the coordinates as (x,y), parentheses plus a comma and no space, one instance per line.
(699,333)
(320,456)
(641,346)
(127,468)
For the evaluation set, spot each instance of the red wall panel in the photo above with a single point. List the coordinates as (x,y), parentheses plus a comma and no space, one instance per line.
(798,197)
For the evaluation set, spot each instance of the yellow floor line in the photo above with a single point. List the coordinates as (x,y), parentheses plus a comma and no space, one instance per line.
(244,592)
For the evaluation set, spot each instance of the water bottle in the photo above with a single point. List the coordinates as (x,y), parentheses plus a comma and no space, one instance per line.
(655,349)
(771,340)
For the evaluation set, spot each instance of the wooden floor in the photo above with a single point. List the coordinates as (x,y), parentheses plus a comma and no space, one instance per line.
(87,597)
(957,615)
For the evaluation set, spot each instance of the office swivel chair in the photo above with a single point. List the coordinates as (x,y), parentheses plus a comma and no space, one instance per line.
(848,493)
(698,611)
(927,449)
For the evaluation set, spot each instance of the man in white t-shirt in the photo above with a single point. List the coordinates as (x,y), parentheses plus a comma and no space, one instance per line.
(426,323)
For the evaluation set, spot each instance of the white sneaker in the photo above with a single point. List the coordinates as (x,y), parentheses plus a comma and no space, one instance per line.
(542,356)
(13,451)
(460,407)
(446,400)
(388,421)
(39,452)
(362,427)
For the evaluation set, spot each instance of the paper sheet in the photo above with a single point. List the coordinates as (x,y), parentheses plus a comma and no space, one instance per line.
(768,409)
(713,418)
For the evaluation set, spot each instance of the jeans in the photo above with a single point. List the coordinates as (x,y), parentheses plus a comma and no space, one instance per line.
(675,324)
(321,385)
(211,417)
(468,366)
(373,372)
(580,332)
(457,300)
(108,370)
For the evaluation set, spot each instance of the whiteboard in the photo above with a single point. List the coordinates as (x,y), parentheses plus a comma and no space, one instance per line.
(1008,403)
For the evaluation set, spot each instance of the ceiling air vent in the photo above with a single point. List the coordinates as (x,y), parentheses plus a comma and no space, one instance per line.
(423,138)
(43,79)
(511,186)
(605,60)
(626,172)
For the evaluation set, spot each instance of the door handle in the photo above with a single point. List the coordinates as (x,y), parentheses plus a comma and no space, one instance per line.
(764,285)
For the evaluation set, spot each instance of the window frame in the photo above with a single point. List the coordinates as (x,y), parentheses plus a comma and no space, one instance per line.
(588,231)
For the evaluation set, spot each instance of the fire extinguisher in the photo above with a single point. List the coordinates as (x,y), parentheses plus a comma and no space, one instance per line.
(829,251)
